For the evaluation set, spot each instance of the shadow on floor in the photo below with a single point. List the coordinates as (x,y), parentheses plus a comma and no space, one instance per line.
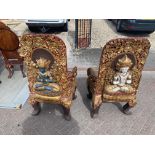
(118,105)
(50,122)
(82,87)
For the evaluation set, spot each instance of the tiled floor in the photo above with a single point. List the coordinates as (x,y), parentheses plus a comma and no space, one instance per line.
(109,121)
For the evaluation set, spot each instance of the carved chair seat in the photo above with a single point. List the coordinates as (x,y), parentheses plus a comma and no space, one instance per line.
(48,76)
(119,73)
(92,78)
(48,97)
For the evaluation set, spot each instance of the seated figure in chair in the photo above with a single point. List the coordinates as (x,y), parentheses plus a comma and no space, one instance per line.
(49,79)
(120,70)
(122,79)
(44,81)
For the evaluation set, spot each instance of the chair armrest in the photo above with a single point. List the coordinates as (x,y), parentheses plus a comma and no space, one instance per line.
(92,72)
(73,73)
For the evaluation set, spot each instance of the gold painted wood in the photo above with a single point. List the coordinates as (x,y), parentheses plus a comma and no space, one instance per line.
(134,51)
(53,49)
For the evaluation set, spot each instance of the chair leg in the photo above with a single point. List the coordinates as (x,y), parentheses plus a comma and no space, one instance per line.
(10,69)
(126,109)
(89,95)
(21,68)
(128,106)
(96,103)
(94,111)
(74,96)
(36,109)
(67,114)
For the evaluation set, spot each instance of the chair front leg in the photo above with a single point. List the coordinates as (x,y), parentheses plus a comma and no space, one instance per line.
(96,103)
(128,106)
(89,95)
(74,95)
(67,115)
(22,70)
(36,109)
(9,67)
(35,104)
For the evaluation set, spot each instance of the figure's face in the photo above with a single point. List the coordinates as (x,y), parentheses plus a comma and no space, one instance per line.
(42,70)
(124,69)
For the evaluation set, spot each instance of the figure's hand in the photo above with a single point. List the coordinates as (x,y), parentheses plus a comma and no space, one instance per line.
(128,81)
(115,81)
(48,74)
(124,89)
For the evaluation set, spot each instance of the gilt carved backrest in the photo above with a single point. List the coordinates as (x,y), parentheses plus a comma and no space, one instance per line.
(48,47)
(132,51)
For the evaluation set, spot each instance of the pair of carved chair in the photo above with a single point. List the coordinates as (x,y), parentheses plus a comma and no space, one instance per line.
(117,79)
(9,44)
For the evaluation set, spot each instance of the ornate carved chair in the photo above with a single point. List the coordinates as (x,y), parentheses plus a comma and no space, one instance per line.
(49,80)
(9,44)
(119,73)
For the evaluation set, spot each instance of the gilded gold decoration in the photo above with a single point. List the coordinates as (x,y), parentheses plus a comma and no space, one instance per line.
(120,71)
(121,82)
(49,80)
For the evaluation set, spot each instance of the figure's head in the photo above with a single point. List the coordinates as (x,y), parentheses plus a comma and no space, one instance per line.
(43,63)
(124,64)
(42,70)
(124,69)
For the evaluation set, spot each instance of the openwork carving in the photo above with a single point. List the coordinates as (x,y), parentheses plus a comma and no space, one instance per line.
(120,70)
(46,61)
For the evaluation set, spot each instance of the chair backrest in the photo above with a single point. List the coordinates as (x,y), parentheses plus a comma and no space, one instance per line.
(136,50)
(8,40)
(50,47)
(2,25)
